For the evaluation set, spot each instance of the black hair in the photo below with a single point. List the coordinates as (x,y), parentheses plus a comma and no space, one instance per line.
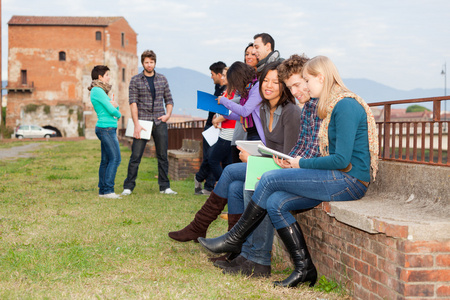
(218,67)
(285,94)
(266,38)
(99,70)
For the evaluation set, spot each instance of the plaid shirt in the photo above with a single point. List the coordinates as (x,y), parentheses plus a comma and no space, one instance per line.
(308,143)
(140,94)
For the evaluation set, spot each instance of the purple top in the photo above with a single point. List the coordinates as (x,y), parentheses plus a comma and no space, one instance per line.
(250,107)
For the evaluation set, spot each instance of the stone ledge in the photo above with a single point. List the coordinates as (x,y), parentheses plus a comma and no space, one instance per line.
(375,214)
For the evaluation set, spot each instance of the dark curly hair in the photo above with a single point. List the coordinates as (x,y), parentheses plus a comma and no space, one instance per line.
(292,65)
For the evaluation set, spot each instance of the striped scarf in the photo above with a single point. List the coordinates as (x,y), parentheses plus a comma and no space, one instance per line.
(97,83)
(337,94)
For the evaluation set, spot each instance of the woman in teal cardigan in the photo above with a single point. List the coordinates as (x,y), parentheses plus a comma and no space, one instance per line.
(106,130)
(348,144)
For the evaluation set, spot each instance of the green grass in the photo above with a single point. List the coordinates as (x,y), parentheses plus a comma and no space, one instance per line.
(59,240)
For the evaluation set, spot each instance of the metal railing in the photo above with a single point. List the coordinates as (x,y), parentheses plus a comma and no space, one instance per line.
(185,130)
(423,142)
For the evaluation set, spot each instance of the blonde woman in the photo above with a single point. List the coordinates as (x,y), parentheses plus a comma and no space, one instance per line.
(349,148)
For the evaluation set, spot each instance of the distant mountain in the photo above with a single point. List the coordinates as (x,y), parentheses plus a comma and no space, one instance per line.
(372,91)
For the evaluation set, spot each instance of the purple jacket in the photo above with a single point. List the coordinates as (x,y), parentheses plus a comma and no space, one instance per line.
(250,107)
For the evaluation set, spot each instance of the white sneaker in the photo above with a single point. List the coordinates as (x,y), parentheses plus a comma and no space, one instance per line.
(126,192)
(112,196)
(206,192)
(168,191)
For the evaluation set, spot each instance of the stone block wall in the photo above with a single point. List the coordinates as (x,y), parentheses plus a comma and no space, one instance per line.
(394,243)
(376,266)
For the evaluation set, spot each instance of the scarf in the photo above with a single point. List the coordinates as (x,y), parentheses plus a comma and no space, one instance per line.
(97,83)
(248,120)
(337,94)
(273,56)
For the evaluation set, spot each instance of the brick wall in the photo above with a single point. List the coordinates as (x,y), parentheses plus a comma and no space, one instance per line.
(375,266)
(36,50)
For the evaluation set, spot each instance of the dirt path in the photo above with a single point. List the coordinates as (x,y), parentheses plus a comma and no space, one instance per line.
(19,151)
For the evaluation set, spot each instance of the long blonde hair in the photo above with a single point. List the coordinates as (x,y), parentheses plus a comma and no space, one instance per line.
(324,66)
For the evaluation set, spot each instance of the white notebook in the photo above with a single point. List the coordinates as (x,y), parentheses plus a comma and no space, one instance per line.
(145,134)
(250,146)
(269,151)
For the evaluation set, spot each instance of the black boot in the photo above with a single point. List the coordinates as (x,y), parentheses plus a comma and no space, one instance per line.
(232,220)
(232,240)
(304,269)
(248,268)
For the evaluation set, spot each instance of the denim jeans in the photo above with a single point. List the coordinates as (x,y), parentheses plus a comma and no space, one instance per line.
(110,160)
(283,190)
(219,156)
(231,186)
(161,139)
(205,173)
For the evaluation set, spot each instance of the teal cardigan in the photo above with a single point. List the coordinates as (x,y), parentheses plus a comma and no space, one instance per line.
(348,141)
(107,114)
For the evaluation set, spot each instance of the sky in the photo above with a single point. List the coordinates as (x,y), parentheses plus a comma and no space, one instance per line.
(403,44)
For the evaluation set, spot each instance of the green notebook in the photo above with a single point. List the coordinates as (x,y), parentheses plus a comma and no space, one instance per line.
(256,166)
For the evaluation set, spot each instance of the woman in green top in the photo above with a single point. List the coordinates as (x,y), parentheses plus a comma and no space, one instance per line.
(108,113)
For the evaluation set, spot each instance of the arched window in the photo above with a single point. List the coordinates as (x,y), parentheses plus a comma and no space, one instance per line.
(98,36)
(62,56)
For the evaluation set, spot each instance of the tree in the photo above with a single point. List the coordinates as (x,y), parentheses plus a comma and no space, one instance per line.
(416,108)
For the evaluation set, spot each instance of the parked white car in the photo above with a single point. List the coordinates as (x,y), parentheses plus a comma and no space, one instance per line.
(33,131)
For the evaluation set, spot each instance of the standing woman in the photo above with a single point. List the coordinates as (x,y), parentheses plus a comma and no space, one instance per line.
(108,113)
(349,147)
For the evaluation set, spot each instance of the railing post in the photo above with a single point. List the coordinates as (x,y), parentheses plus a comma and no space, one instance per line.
(386,128)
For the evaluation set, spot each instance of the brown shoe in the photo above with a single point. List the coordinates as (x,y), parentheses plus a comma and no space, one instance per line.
(203,218)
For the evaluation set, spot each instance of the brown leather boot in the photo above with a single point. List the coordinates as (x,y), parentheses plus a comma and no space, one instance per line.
(205,216)
(232,220)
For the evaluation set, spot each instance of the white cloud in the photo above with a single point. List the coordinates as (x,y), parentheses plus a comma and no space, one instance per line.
(399,43)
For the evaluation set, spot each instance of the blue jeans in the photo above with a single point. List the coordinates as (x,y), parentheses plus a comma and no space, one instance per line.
(110,159)
(283,190)
(219,156)
(231,187)
(161,139)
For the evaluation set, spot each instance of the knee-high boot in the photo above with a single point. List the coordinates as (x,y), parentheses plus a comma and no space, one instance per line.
(232,220)
(304,269)
(203,218)
(232,240)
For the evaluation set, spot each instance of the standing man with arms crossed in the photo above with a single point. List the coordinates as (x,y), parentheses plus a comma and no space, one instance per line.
(147,94)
